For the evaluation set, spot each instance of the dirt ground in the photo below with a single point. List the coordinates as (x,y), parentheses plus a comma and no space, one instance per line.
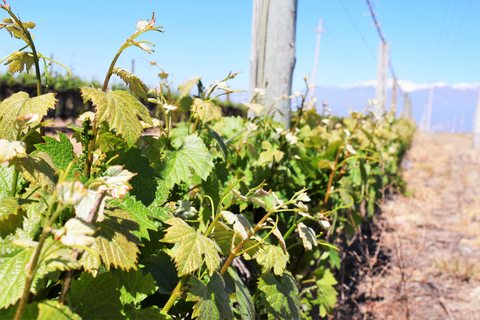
(430,238)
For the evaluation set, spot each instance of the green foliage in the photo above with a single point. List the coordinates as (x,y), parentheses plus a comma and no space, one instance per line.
(206,111)
(60,151)
(134,286)
(327,295)
(55,310)
(21,105)
(115,242)
(20,61)
(193,246)
(269,257)
(120,110)
(178,165)
(133,82)
(150,227)
(96,297)
(212,300)
(242,296)
(38,169)
(280,295)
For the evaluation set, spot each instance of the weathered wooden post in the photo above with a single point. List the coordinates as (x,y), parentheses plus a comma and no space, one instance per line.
(272,57)
(394,97)
(407,107)
(382,75)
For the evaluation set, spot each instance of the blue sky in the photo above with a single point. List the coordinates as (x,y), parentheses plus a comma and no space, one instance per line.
(429,39)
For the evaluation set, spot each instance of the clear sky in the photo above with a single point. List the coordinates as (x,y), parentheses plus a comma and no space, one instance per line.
(429,39)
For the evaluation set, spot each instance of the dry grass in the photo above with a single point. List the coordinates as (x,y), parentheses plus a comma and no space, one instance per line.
(433,237)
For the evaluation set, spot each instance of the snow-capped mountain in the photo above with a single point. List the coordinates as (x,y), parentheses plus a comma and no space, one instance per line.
(453,106)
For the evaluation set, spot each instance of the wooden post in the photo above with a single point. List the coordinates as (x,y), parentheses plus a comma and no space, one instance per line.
(476,126)
(272,56)
(382,75)
(315,62)
(394,97)
(407,107)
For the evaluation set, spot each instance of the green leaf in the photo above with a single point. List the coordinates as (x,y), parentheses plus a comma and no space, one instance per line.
(188,257)
(12,273)
(96,298)
(61,152)
(223,237)
(135,285)
(50,309)
(6,180)
(270,154)
(13,266)
(20,104)
(38,169)
(151,313)
(17,32)
(281,295)
(332,149)
(178,165)
(161,267)
(213,302)
(143,215)
(187,86)
(20,61)
(270,256)
(8,206)
(13,217)
(32,226)
(327,295)
(206,111)
(120,110)
(133,82)
(115,242)
(214,134)
(233,125)
(145,182)
(30,312)
(56,258)
(243,297)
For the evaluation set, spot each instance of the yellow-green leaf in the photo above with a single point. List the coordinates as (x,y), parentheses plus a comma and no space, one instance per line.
(270,256)
(20,61)
(38,169)
(193,245)
(8,206)
(270,154)
(133,82)
(10,149)
(206,110)
(19,105)
(120,110)
(187,86)
(51,309)
(115,242)
(255,107)
(240,224)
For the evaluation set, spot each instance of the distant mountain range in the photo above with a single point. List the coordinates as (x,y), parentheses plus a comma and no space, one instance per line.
(453,106)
